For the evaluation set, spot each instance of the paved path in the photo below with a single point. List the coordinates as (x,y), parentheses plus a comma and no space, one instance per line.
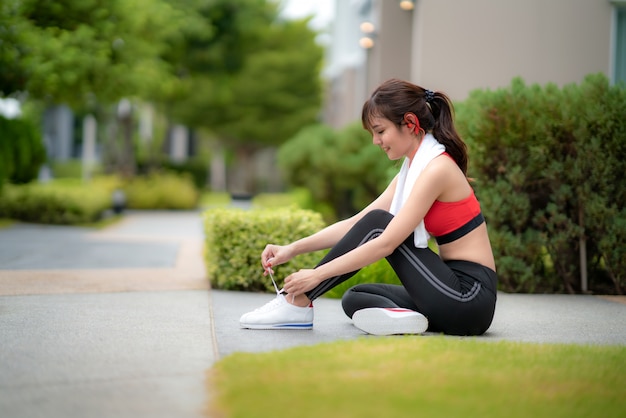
(112,323)
(122,323)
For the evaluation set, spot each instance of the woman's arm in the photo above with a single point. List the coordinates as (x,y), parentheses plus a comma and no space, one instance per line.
(329,236)
(274,255)
(429,186)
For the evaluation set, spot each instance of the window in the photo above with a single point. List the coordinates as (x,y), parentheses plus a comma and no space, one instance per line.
(619,53)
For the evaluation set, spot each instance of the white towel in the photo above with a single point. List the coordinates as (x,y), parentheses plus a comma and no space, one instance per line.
(428,149)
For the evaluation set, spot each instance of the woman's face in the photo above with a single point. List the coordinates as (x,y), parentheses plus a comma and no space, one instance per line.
(396,143)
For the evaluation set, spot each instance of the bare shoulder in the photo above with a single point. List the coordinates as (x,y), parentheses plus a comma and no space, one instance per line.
(443,167)
(452,182)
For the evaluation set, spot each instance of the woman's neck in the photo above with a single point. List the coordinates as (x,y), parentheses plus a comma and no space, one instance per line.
(412,153)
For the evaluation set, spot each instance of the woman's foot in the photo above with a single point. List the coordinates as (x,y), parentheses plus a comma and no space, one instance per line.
(279,314)
(390,321)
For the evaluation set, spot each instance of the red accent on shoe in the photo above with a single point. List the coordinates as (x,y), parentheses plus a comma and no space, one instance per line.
(398,310)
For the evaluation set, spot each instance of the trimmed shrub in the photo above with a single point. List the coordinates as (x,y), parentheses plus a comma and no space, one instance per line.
(196,168)
(73,169)
(236,238)
(161,191)
(55,202)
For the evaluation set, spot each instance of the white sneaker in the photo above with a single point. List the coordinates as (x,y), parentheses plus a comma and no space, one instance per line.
(390,321)
(278,314)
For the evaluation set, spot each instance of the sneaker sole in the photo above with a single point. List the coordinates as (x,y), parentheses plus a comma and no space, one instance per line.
(379,321)
(277,326)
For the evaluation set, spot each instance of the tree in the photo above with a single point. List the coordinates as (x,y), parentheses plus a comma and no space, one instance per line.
(78,52)
(12,76)
(253,83)
(229,67)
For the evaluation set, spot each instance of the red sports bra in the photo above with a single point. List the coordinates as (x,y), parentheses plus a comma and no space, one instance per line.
(449,221)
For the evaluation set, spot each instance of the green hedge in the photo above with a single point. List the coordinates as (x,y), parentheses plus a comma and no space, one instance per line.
(72,201)
(161,191)
(55,202)
(549,167)
(235,239)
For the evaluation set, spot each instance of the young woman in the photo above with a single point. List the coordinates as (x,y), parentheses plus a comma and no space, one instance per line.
(453,292)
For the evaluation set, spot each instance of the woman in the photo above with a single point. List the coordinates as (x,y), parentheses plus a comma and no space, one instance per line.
(453,292)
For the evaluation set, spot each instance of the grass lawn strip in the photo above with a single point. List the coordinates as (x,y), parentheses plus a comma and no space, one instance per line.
(422,376)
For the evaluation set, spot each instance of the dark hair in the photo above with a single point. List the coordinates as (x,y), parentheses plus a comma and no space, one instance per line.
(394,98)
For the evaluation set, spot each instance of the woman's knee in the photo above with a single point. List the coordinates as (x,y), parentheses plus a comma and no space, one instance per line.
(378,217)
(350,301)
(365,295)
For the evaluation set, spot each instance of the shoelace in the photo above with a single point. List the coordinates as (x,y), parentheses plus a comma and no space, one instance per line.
(276,301)
(273,281)
(278,292)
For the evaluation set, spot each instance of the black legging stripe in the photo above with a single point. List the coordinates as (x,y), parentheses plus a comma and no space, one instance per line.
(458,297)
(328,284)
(437,284)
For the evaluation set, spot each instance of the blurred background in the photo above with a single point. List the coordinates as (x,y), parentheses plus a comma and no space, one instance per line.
(187,104)
(213,87)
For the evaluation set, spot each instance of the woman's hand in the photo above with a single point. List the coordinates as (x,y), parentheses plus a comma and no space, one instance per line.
(274,255)
(300,282)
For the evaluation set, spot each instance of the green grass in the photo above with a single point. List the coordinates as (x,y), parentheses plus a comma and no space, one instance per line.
(422,377)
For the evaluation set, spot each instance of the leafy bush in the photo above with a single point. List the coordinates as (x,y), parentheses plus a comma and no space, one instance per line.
(196,168)
(72,169)
(55,202)
(235,239)
(161,191)
(21,151)
(549,164)
(342,169)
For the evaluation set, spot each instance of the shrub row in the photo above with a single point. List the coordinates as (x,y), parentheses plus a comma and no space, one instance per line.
(161,191)
(72,201)
(55,202)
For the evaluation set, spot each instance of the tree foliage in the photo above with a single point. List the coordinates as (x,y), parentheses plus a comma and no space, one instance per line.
(93,50)
(229,67)
(256,81)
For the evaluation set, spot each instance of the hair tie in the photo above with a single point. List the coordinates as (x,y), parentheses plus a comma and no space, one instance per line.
(429,95)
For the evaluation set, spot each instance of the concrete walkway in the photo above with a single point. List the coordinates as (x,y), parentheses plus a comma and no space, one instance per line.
(121,322)
(112,323)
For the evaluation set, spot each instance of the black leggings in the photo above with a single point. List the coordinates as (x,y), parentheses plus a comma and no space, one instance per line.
(457,297)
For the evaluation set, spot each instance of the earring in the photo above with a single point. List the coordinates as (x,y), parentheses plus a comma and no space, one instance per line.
(415,127)
(412,123)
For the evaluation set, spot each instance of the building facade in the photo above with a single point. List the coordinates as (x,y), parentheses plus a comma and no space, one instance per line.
(457,46)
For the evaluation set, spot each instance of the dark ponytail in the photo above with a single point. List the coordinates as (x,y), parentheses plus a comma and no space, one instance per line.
(394,98)
(445,132)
